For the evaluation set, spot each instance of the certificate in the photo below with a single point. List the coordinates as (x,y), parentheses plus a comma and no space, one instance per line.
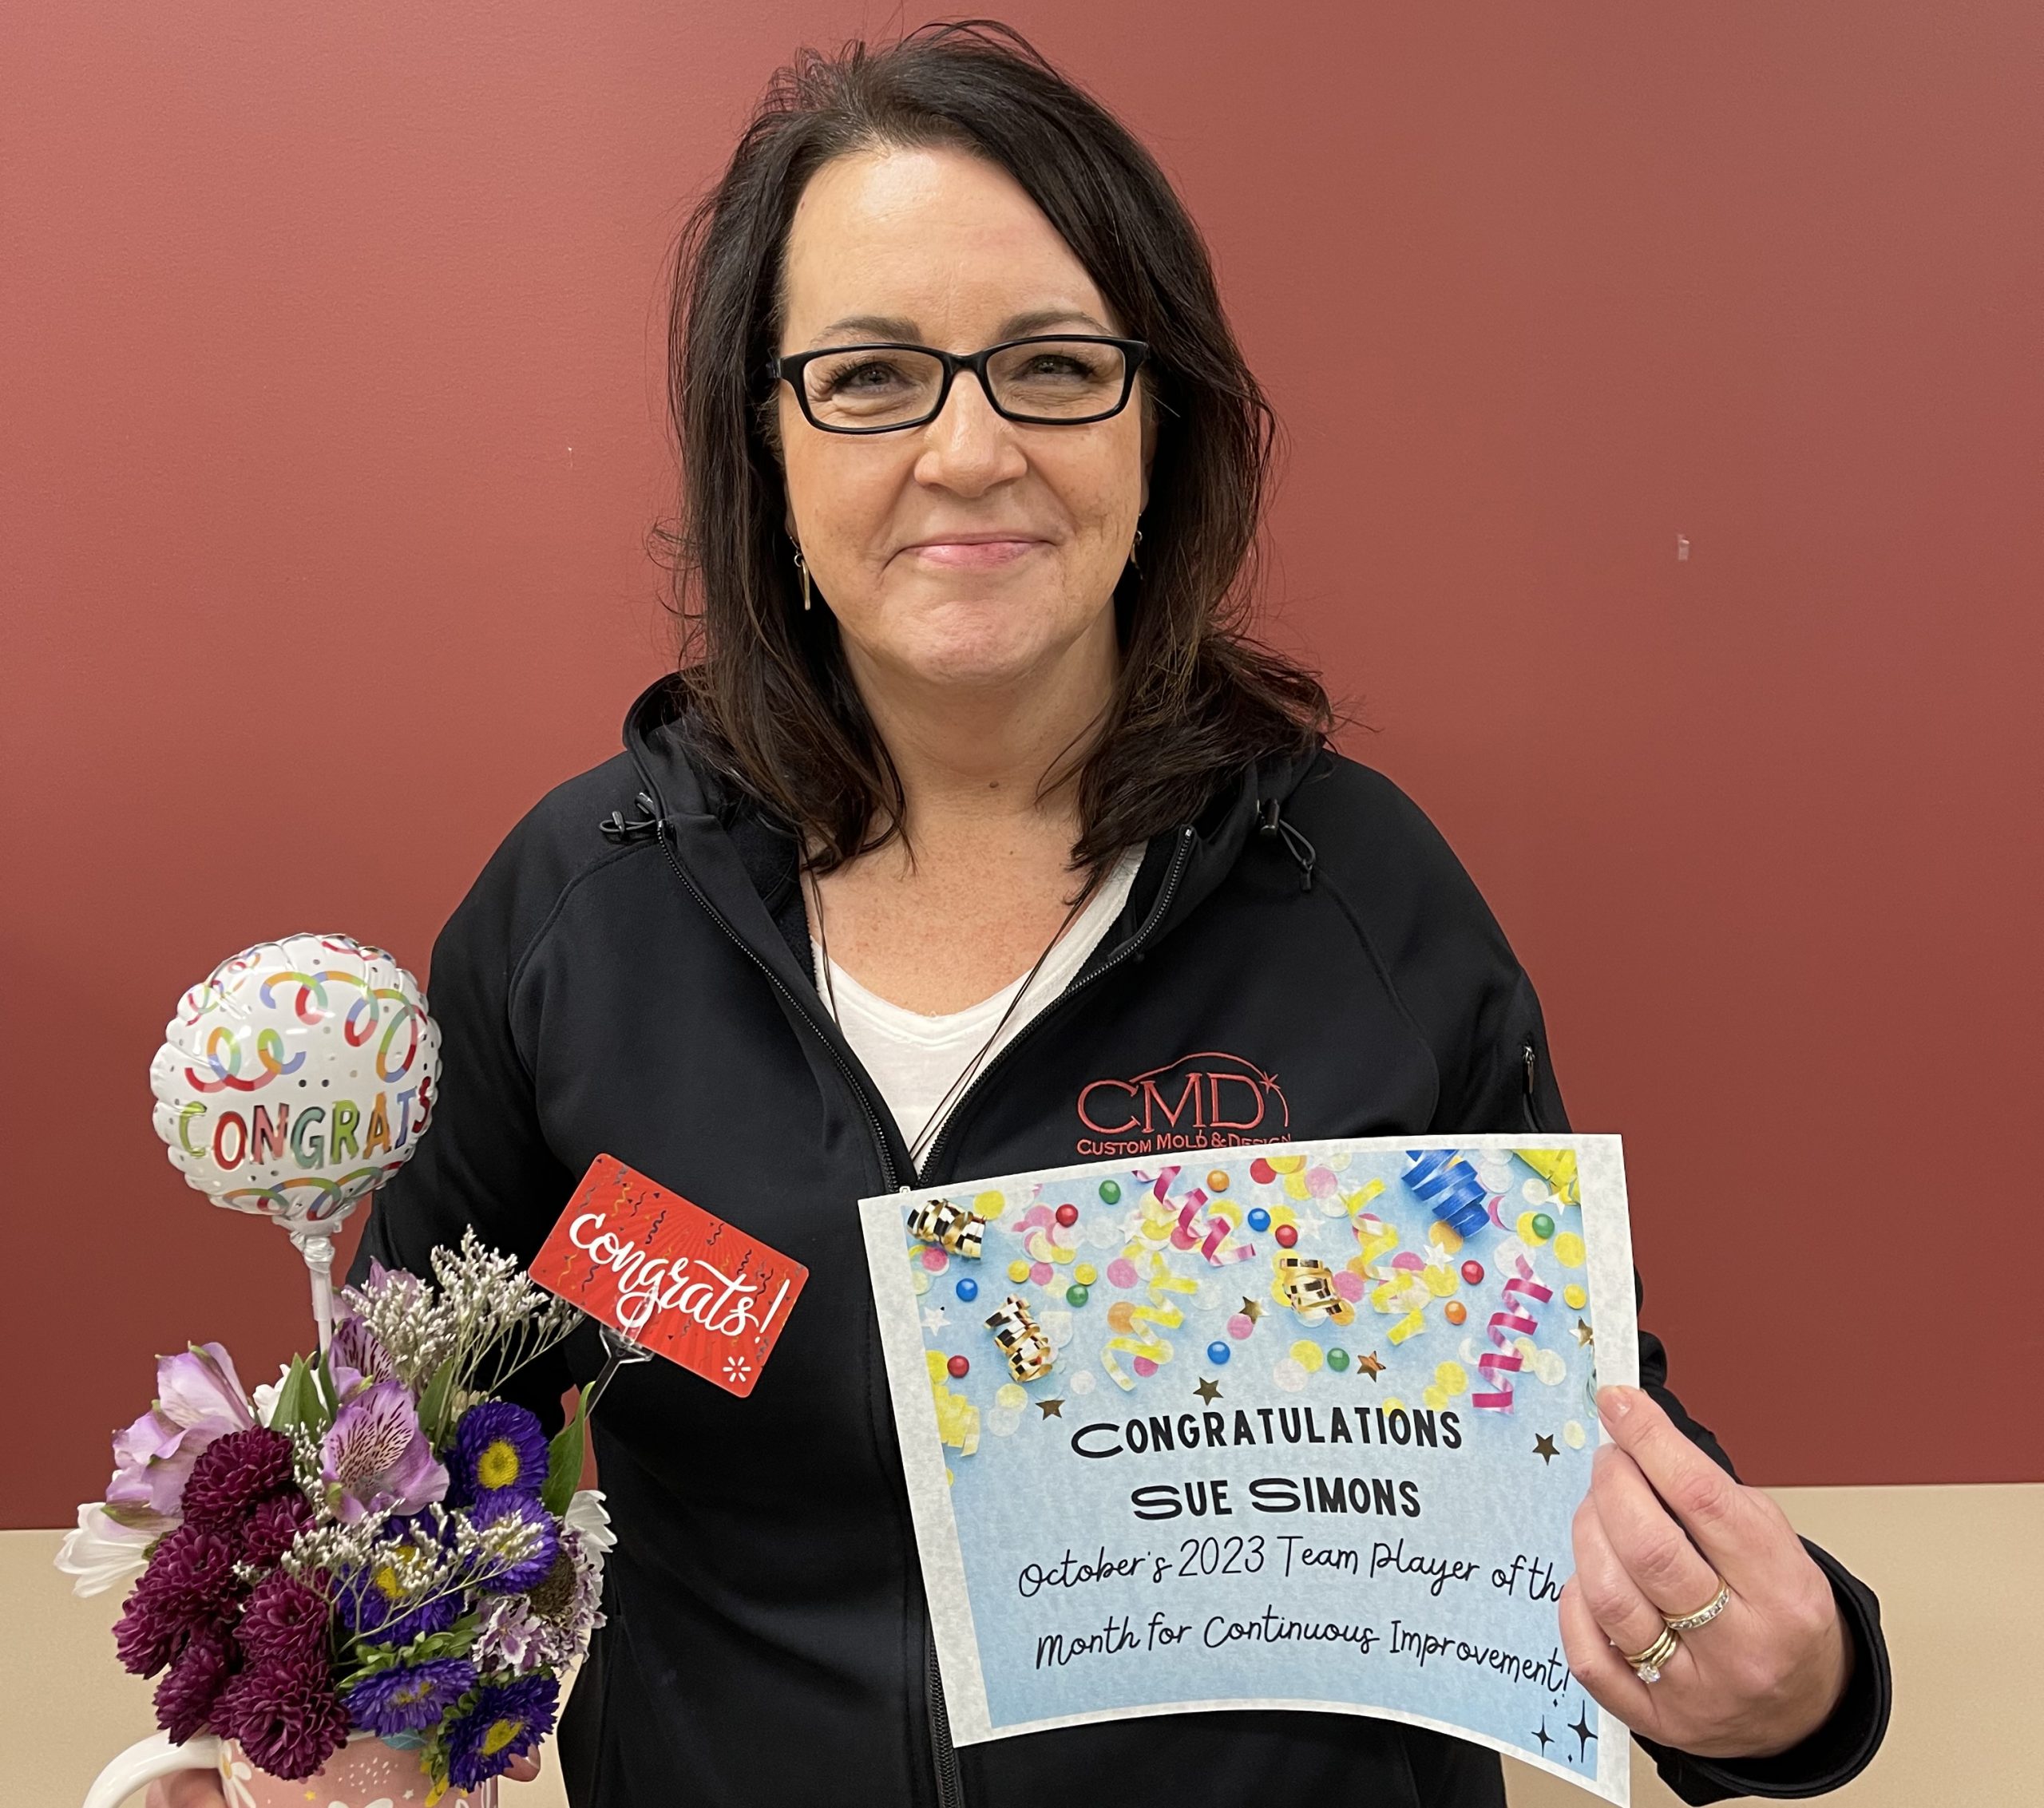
(1298,1426)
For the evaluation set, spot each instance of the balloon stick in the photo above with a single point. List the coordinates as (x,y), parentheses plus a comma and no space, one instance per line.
(315,1243)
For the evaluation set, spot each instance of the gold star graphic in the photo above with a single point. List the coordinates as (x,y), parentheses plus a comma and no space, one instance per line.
(1207,1390)
(1370,1366)
(1544,1447)
(1251,1310)
(1051,1409)
(1583,1333)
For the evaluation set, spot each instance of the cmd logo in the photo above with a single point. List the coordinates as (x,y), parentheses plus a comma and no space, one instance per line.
(1210,1100)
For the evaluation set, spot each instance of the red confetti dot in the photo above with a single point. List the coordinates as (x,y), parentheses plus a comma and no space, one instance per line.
(1473,1273)
(1287,1235)
(960,1367)
(1067,1214)
(1261,1171)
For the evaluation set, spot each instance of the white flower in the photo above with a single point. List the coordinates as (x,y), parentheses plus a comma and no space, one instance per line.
(265,1395)
(103,1551)
(587,1516)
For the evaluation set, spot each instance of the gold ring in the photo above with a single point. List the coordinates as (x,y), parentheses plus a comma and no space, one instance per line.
(1704,1614)
(1647,1665)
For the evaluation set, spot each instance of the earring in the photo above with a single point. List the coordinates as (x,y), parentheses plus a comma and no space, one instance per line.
(1131,550)
(804,570)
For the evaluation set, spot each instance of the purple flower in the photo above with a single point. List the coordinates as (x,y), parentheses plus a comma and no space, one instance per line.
(411,1697)
(356,1358)
(374,1600)
(498,1517)
(284,1618)
(499,1448)
(192,1685)
(274,1525)
(235,1472)
(549,1624)
(199,1398)
(507,1721)
(377,1458)
(286,1714)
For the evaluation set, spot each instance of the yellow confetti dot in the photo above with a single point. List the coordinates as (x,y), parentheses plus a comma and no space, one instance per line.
(1524,1223)
(1306,1354)
(1574,1435)
(1287,1164)
(1296,1187)
(919,1279)
(1574,1297)
(1012,1397)
(989,1204)
(1393,1405)
(1440,1278)
(1433,1398)
(1443,1237)
(1452,1378)
(1085,1274)
(1568,1250)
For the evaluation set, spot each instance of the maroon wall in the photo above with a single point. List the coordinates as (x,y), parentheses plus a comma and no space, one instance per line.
(330,346)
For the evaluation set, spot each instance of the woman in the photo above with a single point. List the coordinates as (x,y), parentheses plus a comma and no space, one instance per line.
(972,796)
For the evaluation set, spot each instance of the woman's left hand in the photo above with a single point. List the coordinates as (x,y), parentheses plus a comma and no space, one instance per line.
(1662,1525)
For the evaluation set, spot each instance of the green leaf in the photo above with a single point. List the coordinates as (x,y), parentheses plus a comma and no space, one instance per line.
(564,1459)
(432,1402)
(370,1659)
(329,1394)
(298,1400)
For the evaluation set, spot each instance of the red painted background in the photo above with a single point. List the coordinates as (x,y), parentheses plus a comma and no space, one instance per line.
(329,340)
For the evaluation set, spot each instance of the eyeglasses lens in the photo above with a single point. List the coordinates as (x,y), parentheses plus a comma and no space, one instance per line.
(1047,380)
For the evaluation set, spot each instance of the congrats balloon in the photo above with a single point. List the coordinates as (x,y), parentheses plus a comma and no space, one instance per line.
(295,1082)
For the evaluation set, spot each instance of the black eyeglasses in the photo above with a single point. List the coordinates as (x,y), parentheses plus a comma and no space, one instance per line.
(1064,381)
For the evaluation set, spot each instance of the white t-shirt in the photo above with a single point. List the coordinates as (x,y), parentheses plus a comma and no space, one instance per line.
(915,1060)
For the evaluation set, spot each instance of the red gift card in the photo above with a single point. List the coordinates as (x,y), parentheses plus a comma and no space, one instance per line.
(671,1277)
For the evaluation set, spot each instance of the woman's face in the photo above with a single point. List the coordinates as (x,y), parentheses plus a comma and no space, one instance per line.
(973,550)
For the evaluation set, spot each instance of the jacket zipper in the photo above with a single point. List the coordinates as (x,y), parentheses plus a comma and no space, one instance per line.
(1133,946)
(944,1755)
(1531,1057)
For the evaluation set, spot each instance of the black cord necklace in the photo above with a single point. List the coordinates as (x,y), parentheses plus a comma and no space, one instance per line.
(928,1136)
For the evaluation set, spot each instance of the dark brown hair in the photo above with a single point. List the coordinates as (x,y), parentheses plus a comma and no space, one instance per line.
(773,705)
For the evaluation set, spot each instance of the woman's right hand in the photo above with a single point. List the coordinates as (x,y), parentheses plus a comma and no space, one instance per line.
(186,1789)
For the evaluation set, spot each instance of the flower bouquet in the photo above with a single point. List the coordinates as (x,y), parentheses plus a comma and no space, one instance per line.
(375,1546)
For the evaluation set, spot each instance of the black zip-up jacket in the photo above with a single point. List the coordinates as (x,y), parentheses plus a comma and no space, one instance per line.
(630,975)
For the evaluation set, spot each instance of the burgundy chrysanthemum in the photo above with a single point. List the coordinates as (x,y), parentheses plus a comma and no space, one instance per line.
(190,1687)
(284,1618)
(189,1585)
(286,1714)
(235,1473)
(274,1523)
(148,1635)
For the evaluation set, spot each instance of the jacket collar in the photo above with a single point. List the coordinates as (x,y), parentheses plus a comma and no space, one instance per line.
(703,810)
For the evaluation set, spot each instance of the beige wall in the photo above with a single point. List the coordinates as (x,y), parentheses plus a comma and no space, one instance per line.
(1960,1573)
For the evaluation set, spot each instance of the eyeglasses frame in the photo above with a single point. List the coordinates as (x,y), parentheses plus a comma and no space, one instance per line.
(789,368)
